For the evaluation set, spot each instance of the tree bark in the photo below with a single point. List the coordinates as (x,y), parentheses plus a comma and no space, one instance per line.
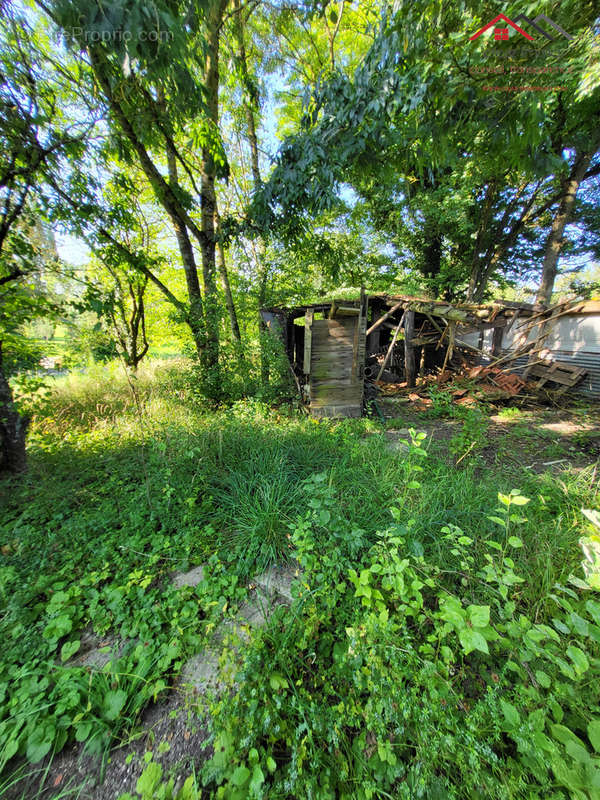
(13,429)
(207,193)
(555,241)
(482,230)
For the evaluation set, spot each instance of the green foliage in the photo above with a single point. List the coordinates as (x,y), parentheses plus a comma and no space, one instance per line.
(437,683)
(150,786)
(415,659)
(89,342)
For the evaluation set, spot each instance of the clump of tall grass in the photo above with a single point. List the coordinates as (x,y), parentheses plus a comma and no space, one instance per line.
(83,401)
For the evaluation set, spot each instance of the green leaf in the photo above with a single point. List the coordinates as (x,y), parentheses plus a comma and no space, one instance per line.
(543,678)
(58,627)
(452,611)
(277,681)
(564,735)
(40,743)
(514,541)
(149,779)
(324,517)
(594,734)
(578,752)
(113,703)
(511,715)
(240,775)
(579,659)
(479,616)
(69,649)
(471,639)
(594,609)
(519,500)
(258,778)
(82,731)
(10,748)
(271,764)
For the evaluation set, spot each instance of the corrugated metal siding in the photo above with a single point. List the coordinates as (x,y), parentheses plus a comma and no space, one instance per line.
(574,339)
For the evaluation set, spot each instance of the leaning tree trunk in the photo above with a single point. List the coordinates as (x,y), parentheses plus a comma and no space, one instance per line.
(13,429)
(554,242)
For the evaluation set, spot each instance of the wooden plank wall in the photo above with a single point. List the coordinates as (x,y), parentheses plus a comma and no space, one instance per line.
(336,382)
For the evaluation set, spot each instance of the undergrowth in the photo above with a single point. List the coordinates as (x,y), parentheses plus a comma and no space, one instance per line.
(408,665)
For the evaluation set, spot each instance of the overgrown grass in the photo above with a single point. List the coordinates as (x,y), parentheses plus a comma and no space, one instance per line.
(130,479)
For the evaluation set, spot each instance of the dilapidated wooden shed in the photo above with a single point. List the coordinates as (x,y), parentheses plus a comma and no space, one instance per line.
(336,345)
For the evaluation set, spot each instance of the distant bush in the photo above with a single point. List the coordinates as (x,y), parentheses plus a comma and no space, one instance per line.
(89,342)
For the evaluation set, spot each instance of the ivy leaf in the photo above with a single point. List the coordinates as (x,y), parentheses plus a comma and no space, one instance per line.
(69,649)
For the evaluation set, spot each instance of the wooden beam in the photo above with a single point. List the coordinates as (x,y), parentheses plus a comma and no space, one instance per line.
(497,341)
(410,369)
(308,321)
(391,347)
(381,319)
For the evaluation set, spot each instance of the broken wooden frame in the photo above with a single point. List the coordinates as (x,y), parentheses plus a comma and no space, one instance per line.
(335,346)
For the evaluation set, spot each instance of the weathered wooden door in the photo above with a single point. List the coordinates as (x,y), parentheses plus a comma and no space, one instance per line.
(337,354)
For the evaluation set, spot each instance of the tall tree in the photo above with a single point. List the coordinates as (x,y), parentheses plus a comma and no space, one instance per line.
(35,140)
(570,186)
(156,89)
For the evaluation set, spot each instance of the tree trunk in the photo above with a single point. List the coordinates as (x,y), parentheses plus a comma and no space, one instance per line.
(229,302)
(13,429)
(165,193)
(188,260)
(250,95)
(554,242)
(208,197)
(482,231)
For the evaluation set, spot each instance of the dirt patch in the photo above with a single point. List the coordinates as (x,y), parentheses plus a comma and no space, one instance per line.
(173,731)
(536,439)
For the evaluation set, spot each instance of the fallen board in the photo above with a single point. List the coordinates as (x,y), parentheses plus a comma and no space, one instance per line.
(566,375)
